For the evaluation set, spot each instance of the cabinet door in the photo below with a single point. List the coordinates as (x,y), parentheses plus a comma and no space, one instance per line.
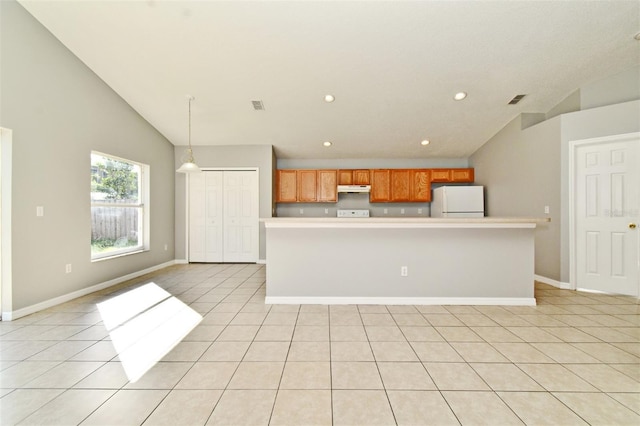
(462,175)
(420,186)
(286,186)
(380,186)
(361,177)
(206,217)
(345,177)
(327,186)
(440,175)
(400,185)
(307,186)
(241,216)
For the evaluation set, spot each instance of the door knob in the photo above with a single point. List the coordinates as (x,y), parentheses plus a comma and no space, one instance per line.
(632,226)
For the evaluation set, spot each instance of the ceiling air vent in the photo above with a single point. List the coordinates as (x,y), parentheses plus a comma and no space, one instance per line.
(258,105)
(516,99)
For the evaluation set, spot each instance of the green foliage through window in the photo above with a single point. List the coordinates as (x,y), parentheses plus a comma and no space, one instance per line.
(116,179)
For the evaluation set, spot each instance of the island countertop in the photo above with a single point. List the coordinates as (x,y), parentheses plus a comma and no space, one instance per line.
(403,222)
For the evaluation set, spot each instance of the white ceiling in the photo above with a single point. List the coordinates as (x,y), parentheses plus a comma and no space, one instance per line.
(392,66)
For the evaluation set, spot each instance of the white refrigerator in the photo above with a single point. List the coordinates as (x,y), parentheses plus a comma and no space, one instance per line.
(458,201)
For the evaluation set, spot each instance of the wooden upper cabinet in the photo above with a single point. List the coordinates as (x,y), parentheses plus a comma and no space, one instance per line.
(307,186)
(345,177)
(353,177)
(286,186)
(440,175)
(452,175)
(361,177)
(327,191)
(462,175)
(400,185)
(420,185)
(380,186)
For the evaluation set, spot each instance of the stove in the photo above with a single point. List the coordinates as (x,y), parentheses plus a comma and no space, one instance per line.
(353,213)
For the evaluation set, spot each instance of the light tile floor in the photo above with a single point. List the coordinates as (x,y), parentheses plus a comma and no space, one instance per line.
(572,359)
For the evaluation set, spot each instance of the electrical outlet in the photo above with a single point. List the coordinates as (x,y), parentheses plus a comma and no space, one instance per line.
(39,211)
(166,247)
(419,211)
(546,209)
(404,271)
(386,211)
(401,211)
(67,268)
(326,211)
(301,211)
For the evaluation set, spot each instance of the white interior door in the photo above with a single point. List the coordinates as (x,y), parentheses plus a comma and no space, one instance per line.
(607,203)
(241,215)
(206,217)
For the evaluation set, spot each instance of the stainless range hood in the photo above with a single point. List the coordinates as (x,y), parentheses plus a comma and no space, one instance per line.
(354,188)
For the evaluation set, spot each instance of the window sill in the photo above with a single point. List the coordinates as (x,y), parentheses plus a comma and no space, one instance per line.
(117,255)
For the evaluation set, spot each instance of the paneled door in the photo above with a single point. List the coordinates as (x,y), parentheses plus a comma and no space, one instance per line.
(607,213)
(241,215)
(206,217)
(223,216)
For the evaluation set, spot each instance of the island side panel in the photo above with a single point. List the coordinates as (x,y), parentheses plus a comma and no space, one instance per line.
(366,263)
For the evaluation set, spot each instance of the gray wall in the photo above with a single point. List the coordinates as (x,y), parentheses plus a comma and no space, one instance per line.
(524,170)
(59,112)
(361,201)
(521,170)
(254,156)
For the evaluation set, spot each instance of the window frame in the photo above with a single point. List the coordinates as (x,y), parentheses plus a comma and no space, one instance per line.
(142,204)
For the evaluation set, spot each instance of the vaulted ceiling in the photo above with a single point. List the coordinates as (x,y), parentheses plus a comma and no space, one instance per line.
(393,67)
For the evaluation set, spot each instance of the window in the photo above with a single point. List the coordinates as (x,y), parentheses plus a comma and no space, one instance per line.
(119,216)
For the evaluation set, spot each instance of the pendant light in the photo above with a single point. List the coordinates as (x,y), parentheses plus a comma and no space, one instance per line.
(189,164)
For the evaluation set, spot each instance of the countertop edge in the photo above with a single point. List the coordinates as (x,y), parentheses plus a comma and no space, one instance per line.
(383,222)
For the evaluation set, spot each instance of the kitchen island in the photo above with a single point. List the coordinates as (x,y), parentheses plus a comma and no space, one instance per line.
(416,261)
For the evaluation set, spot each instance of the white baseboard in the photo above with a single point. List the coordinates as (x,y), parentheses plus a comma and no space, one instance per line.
(262,261)
(559,284)
(13,315)
(505,301)
(181,262)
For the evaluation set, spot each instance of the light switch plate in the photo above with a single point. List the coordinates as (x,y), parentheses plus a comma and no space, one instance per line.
(40,211)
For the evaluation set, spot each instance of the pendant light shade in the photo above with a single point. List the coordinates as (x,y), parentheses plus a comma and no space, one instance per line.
(188,163)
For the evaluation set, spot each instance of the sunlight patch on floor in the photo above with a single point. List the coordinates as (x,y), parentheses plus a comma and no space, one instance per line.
(145,324)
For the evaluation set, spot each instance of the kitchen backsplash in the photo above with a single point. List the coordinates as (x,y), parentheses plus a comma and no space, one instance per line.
(352,201)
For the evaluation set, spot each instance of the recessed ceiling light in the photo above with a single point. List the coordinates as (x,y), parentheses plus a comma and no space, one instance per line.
(326,143)
(460,96)
(425,142)
(329,98)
